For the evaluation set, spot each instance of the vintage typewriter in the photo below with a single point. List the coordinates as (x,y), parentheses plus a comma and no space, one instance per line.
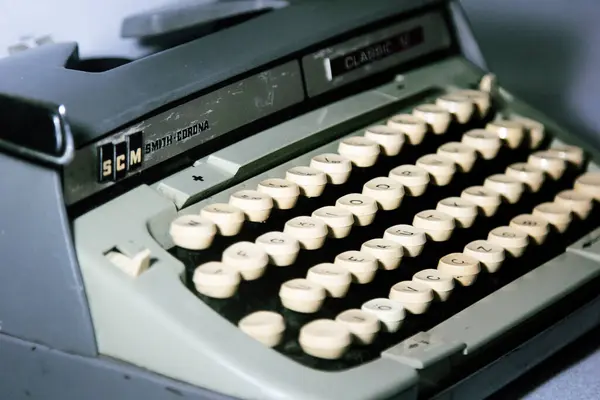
(330,200)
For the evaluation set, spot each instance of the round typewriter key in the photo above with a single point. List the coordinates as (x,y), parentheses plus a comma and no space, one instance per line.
(302,295)
(529,175)
(362,207)
(512,240)
(508,187)
(416,297)
(577,202)
(589,184)
(490,255)
(256,206)
(387,192)
(509,131)
(484,198)
(192,232)
(532,225)
(442,169)
(311,181)
(488,83)
(283,192)
(462,267)
(460,106)
(336,167)
(463,211)
(361,151)
(437,225)
(265,326)
(435,116)
(410,238)
(535,130)
(339,221)
(390,313)
(414,128)
(484,142)
(361,265)
(248,258)
(281,248)
(413,178)
(325,338)
(461,154)
(309,231)
(364,326)
(387,252)
(571,154)
(217,280)
(227,218)
(554,214)
(441,283)
(548,162)
(391,140)
(481,100)
(335,279)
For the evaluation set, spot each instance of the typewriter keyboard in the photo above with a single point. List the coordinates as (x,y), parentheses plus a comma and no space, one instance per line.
(405,225)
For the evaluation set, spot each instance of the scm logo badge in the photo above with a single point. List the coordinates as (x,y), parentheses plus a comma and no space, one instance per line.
(117,159)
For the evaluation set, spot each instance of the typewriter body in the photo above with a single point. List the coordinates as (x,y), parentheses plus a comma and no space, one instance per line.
(334,200)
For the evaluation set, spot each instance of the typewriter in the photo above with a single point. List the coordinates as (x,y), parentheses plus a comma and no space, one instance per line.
(329,200)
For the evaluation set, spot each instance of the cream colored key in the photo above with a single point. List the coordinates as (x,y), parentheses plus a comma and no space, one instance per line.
(460,106)
(536,227)
(217,280)
(364,326)
(441,169)
(530,176)
(435,116)
(441,283)
(571,154)
(534,130)
(283,192)
(387,252)
(339,221)
(416,297)
(248,258)
(192,232)
(325,338)
(410,238)
(512,240)
(281,248)
(391,140)
(481,99)
(589,184)
(484,142)
(361,151)
(462,267)
(555,214)
(486,199)
(362,207)
(390,313)
(463,211)
(361,265)
(413,127)
(437,225)
(387,192)
(461,154)
(506,186)
(335,279)
(336,167)
(488,83)
(490,255)
(256,206)
(510,131)
(227,218)
(548,162)
(413,178)
(576,202)
(310,232)
(302,295)
(311,181)
(267,327)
